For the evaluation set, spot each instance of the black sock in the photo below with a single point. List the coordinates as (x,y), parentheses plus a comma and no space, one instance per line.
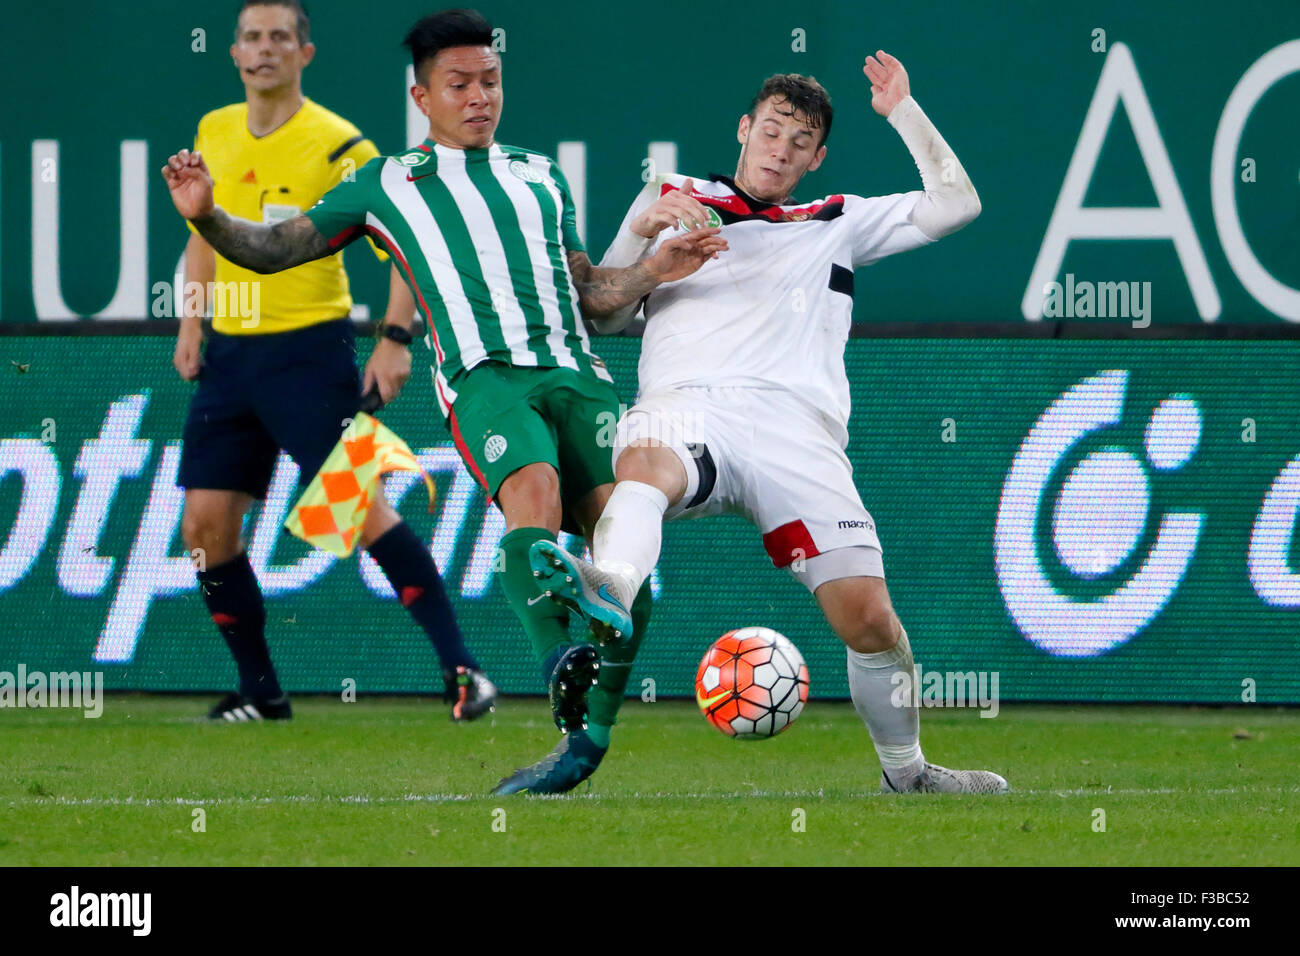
(406,562)
(234,600)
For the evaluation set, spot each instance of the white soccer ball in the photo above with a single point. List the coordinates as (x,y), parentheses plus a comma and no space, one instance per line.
(752,683)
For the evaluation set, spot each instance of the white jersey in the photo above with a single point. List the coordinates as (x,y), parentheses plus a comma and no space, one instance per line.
(774,310)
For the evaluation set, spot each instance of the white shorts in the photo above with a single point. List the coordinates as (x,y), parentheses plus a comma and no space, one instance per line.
(764,454)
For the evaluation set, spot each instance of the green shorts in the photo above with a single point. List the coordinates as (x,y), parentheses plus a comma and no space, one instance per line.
(508,416)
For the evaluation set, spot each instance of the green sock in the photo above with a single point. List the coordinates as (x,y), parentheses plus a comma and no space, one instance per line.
(604,700)
(545,622)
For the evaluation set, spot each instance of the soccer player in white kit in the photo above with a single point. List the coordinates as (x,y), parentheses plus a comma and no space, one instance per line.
(744,400)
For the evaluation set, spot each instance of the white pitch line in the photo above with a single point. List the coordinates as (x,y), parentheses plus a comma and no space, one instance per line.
(365,799)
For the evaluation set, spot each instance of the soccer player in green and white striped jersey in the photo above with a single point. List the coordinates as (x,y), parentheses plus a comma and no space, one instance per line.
(485,236)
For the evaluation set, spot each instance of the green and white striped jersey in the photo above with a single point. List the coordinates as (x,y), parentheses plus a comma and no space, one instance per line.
(481,237)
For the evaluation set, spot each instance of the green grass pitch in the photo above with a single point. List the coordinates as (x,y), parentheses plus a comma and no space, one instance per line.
(391,781)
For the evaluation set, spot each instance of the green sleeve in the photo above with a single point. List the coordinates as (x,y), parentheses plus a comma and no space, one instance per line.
(361,153)
(569,216)
(340,216)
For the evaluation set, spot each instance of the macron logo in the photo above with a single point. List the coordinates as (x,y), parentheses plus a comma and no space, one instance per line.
(102,909)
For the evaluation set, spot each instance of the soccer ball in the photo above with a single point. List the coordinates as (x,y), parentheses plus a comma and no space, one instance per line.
(752,683)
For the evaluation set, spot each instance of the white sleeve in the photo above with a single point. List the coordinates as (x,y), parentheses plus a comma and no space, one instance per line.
(950,200)
(627,249)
(882,225)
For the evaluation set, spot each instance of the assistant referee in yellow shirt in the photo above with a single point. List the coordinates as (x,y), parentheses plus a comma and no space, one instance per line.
(279,371)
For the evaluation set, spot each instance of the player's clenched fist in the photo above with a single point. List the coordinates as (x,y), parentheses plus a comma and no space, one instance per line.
(677,258)
(670,208)
(190,184)
(889,85)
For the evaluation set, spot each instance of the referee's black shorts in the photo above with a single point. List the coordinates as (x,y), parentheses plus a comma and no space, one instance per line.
(259,394)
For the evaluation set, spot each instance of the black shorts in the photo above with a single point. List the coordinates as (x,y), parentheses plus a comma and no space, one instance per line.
(259,394)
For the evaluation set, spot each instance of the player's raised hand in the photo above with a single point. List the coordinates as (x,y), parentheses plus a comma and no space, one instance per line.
(889,85)
(670,208)
(677,258)
(190,183)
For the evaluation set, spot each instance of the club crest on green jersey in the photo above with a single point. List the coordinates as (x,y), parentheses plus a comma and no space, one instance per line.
(522,170)
(412,158)
(494,447)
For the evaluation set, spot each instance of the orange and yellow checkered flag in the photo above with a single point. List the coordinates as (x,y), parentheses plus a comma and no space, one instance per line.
(331,511)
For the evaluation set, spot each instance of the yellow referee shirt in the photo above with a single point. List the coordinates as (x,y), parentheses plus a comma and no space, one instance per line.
(268,179)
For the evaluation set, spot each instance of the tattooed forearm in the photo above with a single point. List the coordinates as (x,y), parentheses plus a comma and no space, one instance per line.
(263,248)
(602,292)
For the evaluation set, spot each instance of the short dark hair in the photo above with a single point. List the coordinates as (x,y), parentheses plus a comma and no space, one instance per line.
(299,11)
(443,30)
(806,97)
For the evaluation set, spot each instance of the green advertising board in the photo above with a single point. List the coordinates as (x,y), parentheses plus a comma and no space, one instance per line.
(1152,144)
(1089,520)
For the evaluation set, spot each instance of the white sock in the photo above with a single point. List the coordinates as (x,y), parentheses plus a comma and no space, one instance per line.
(629,536)
(885,704)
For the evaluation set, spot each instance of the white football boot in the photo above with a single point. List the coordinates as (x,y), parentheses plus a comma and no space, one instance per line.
(936,779)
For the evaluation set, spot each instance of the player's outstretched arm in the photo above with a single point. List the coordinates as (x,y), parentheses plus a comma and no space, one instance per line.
(602,292)
(259,247)
(253,245)
(263,248)
(950,201)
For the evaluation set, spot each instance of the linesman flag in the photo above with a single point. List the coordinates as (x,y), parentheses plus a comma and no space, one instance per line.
(330,513)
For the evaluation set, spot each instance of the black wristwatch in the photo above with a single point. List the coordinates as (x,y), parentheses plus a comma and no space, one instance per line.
(395,332)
